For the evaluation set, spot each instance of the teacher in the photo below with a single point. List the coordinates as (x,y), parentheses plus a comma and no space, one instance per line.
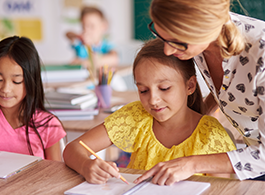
(229,50)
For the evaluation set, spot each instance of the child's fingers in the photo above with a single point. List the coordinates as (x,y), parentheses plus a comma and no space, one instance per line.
(97,179)
(106,169)
(111,169)
(96,171)
(114,165)
(99,171)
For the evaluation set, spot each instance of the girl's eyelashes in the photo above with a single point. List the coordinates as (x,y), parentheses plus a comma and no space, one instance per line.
(164,89)
(143,91)
(17,83)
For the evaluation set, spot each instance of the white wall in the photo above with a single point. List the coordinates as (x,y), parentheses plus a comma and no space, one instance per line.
(56,48)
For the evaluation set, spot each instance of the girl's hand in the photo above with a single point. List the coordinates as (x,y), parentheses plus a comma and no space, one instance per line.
(98,171)
(167,173)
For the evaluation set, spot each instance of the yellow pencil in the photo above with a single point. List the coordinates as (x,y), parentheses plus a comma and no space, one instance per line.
(92,152)
(92,68)
(89,50)
(109,77)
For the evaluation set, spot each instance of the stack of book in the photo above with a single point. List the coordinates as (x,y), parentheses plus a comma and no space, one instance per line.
(63,73)
(72,106)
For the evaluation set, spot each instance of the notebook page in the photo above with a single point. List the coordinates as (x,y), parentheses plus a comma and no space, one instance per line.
(179,188)
(12,163)
(114,186)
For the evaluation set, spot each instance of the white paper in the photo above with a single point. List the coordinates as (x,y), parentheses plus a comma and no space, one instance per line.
(112,187)
(12,163)
(115,186)
(179,188)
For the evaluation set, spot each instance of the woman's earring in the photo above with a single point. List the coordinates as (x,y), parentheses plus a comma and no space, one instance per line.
(190,93)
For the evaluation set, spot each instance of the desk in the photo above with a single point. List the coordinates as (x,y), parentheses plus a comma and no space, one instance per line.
(51,177)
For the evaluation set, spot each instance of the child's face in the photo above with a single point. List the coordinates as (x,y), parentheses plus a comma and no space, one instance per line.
(162,90)
(94,28)
(12,86)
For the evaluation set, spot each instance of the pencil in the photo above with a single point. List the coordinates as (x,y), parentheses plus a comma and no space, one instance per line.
(92,68)
(92,152)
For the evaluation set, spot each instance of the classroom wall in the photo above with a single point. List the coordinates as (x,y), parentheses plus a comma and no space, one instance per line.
(53,18)
(58,16)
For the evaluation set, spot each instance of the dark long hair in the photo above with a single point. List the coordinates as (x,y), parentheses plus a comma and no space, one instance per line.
(154,49)
(24,53)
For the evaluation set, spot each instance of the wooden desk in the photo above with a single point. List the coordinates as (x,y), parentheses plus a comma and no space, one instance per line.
(51,177)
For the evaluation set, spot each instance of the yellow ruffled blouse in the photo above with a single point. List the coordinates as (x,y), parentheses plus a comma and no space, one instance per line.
(130,129)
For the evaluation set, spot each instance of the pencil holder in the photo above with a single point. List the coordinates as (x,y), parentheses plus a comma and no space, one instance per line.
(103,93)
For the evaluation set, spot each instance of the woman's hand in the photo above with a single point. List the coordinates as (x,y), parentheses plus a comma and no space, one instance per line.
(98,171)
(169,172)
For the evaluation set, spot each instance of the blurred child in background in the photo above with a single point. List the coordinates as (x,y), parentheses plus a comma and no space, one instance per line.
(92,48)
(94,25)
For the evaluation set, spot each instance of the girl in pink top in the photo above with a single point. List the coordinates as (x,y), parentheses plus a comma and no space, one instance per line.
(26,127)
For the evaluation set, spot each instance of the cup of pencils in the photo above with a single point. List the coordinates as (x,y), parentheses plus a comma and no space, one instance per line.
(103,89)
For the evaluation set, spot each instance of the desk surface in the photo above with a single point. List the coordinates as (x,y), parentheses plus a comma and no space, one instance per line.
(118,98)
(51,177)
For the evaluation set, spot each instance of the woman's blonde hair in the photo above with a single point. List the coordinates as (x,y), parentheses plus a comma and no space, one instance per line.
(199,22)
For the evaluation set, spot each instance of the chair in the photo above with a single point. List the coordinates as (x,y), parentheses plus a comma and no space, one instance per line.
(62,143)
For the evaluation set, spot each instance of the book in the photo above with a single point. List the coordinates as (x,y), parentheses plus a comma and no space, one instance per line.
(84,112)
(13,163)
(115,186)
(75,114)
(91,103)
(70,98)
(76,117)
(63,73)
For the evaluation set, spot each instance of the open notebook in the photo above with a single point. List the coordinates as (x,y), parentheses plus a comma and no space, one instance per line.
(115,186)
(12,163)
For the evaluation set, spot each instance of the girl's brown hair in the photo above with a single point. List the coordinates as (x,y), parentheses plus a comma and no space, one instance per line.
(154,49)
(199,22)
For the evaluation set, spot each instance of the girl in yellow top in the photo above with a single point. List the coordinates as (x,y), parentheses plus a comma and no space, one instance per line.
(167,123)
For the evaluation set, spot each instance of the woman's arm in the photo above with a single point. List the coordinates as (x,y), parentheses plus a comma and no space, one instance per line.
(169,172)
(78,158)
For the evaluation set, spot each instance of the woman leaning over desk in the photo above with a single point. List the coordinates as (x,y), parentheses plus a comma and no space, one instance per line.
(229,50)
